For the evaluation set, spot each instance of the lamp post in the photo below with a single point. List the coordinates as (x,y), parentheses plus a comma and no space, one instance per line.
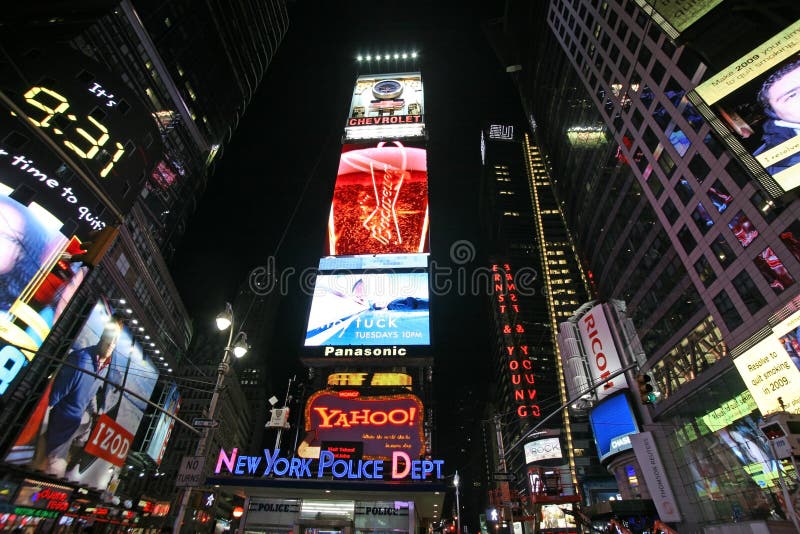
(237,346)
(456,482)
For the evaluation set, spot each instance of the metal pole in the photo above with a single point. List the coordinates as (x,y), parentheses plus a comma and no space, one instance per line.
(222,370)
(285,402)
(456,482)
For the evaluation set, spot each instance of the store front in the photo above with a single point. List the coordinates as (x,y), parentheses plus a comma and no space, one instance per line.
(283,506)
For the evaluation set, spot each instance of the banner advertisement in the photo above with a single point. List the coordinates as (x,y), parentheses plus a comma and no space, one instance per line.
(771,369)
(83,425)
(754,99)
(601,352)
(369,309)
(158,441)
(386,105)
(542,449)
(613,423)
(383,424)
(380,201)
(644,447)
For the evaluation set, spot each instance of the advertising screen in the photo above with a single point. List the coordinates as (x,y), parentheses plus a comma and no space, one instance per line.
(674,16)
(369,309)
(158,441)
(386,105)
(83,425)
(373,261)
(382,424)
(758,114)
(542,449)
(601,352)
(380,201)
(771,369)
(612,424)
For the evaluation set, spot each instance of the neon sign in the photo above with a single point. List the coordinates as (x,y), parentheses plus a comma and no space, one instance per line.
(271,463)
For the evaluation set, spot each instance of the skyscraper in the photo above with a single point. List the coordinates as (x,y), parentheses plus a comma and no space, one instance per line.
(676,212)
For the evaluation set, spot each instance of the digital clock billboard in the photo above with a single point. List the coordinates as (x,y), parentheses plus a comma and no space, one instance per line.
(97,124)
(382,424)
(369,309)
(752,104)
(83,425)
(386,106)
(380,201)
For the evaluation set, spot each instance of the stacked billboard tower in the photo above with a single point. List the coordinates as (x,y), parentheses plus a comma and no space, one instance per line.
(369,323)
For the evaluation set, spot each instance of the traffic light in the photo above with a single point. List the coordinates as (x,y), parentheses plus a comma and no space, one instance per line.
(93,250)
(645,388)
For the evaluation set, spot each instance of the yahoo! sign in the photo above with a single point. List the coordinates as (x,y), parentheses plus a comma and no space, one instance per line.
(271,463)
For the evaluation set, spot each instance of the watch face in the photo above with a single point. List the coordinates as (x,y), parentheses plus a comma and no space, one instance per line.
(387,89)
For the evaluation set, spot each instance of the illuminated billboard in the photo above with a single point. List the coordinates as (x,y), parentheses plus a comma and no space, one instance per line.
(601,352)
(542,449)
(83,426)
(675,16)
(36,280)
(166,421)
(369,309)
(386,106)
(380,201)
(612,425)
(383,424)
(751,104)
(373,261)
(771,369)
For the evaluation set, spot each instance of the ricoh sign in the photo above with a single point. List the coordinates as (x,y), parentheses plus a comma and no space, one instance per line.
(601,352)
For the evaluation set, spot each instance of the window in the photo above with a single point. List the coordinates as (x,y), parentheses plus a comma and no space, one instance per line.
(687,239)
(719,196)
(735,171)
(791,238)
(713,145)
(699,168)
(633,42)
(679,141)
(722,251)
(743,229)
(655,186)
(650,139)
(768,208)
(773,270)
(702,219)
(657,72)
(684,191)
(637,118)
(692,116)
(727,310)
(670,211)
(666,163)
(751,296)
(705,271)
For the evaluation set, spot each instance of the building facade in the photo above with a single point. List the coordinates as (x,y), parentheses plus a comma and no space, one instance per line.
(675,217)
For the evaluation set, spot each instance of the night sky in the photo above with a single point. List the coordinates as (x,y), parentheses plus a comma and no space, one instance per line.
(289,139)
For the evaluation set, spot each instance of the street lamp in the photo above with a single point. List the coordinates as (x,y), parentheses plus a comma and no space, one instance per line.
(238,346)
(456,482)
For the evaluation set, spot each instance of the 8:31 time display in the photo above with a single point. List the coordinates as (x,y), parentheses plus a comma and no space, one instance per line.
(89,112)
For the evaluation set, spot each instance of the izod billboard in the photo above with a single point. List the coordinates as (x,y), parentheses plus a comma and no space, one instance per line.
(381,424)
(82,428)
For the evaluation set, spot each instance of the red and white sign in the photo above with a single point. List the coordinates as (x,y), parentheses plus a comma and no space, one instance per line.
(109,441)
(601,352)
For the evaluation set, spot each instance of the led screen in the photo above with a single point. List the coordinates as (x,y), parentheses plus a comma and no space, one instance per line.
(754,99)
(542,449)
(369,309)
(771,369)
(674,16)
(381,424)
(82,426)
(158,441)
(36,283)
(387,105)
(371,261)
(380,201)
(612,423)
